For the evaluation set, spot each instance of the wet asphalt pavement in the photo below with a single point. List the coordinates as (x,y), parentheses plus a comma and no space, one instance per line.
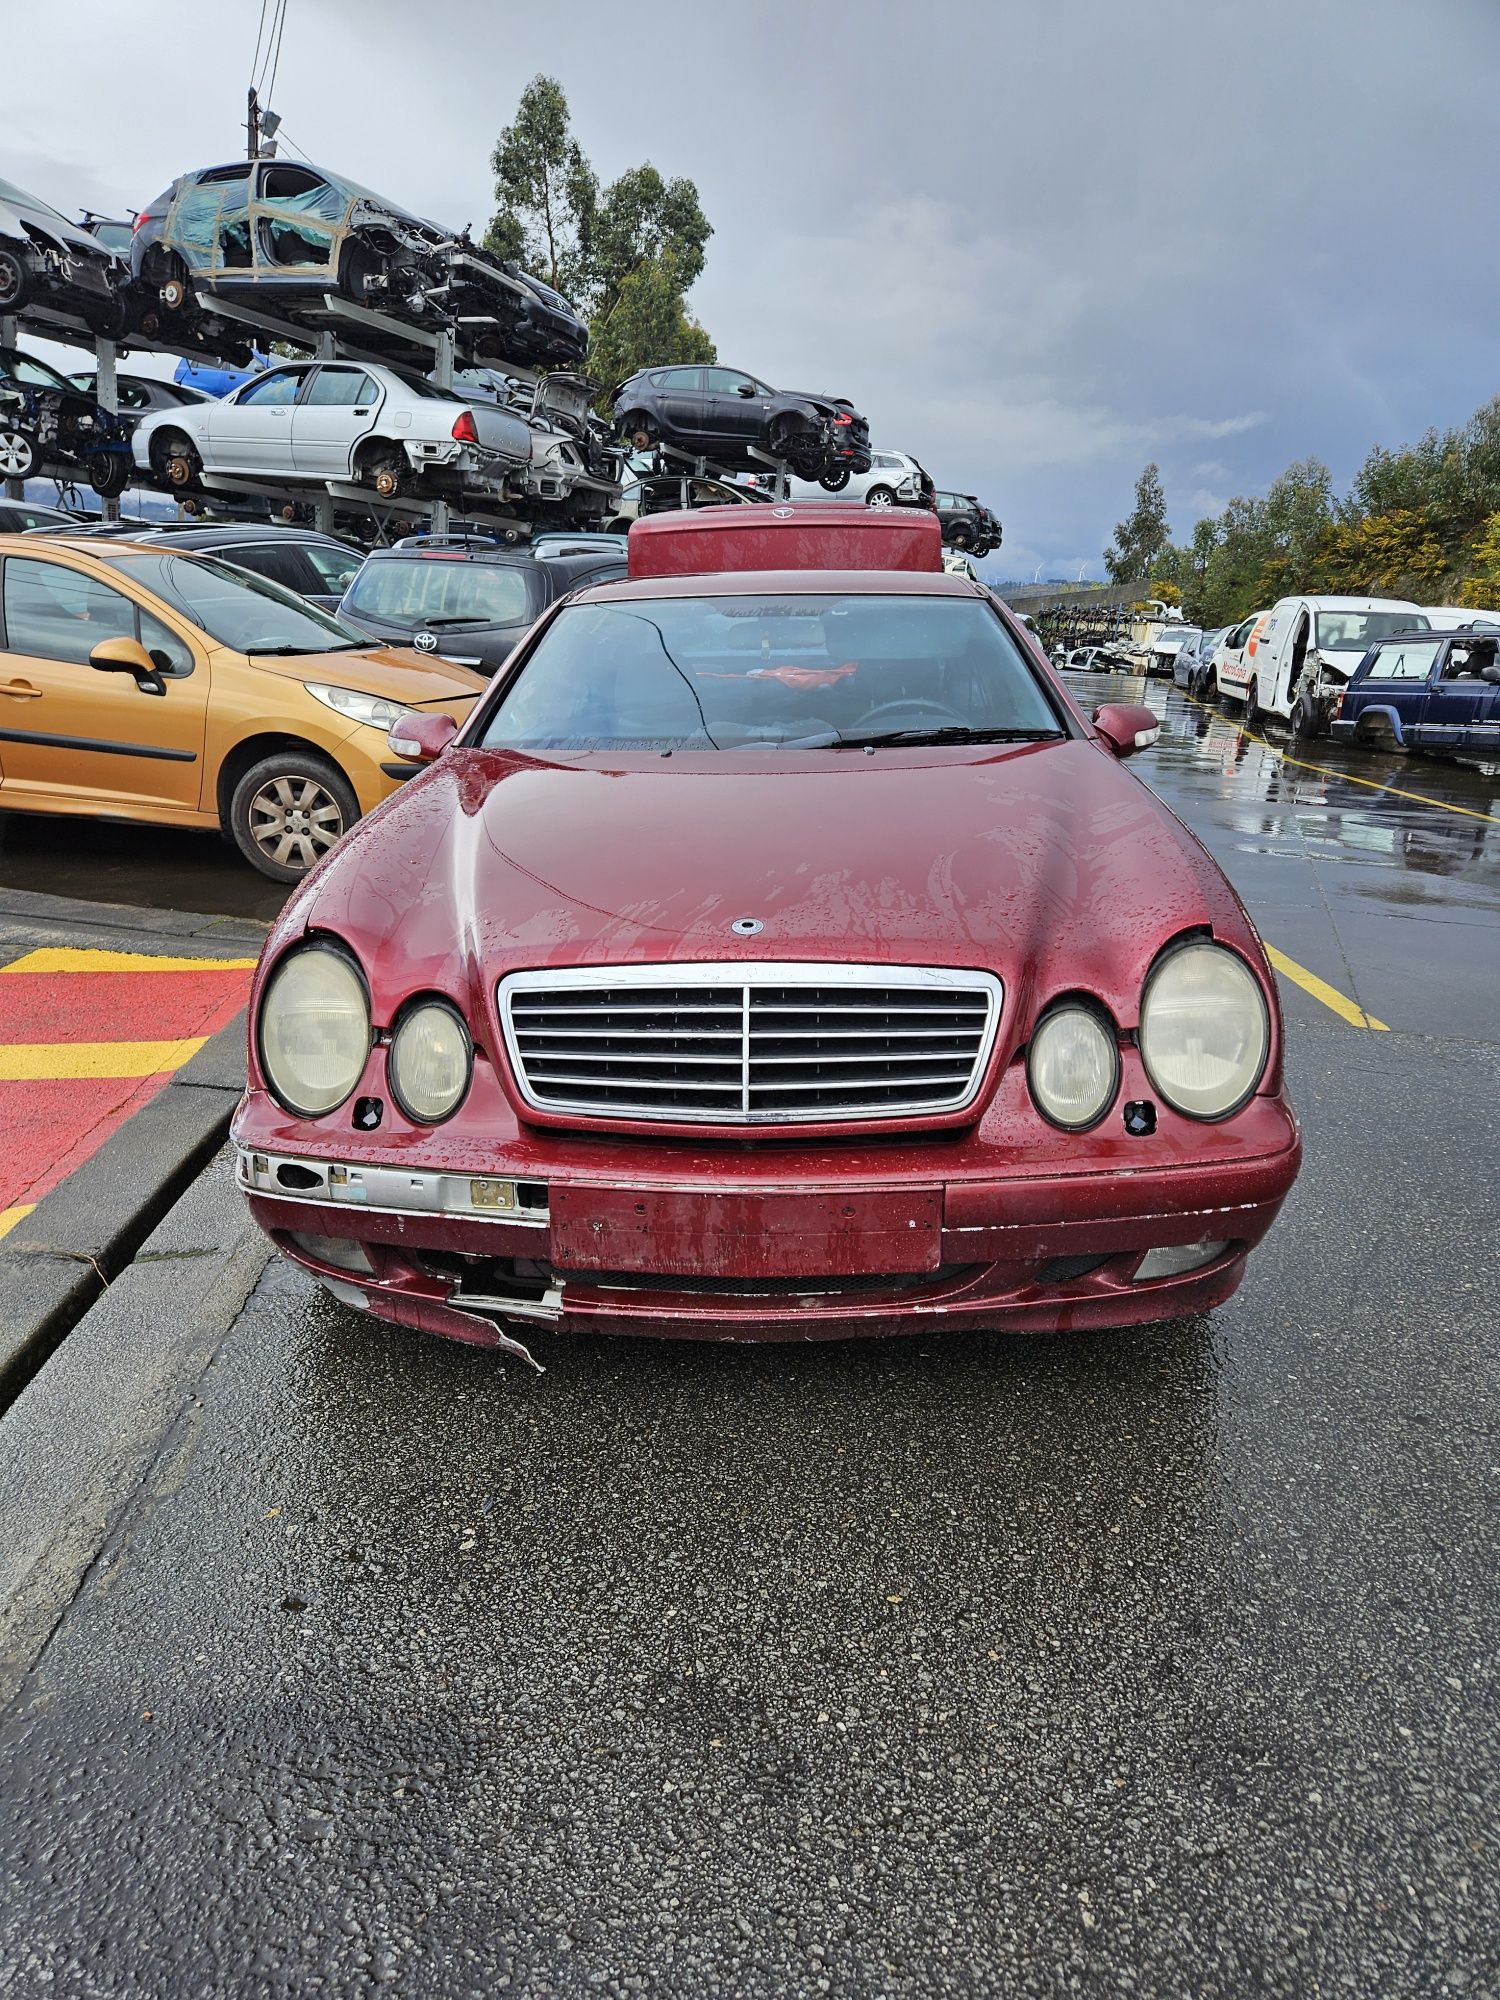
(1156,1663)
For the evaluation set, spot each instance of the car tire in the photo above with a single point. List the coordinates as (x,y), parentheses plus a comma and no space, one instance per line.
(287,811)
(16,281)
(107,320)
(880,496)
(1304,724)
(835,482)
(20,454)
(109,473)
(174,459)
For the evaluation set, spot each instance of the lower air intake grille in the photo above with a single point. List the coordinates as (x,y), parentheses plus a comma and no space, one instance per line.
(750,1043)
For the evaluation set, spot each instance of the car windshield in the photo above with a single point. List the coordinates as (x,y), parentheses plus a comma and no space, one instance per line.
(1353,631)
(747,672)
(1177,635)
(236,608)
(26,368)
(437,590)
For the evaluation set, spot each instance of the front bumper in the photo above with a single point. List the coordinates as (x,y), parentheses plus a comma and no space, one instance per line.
(545,1235)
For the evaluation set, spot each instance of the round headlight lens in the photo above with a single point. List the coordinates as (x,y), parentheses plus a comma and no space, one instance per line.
(314,1030)
(431,1057)
(1205,1030)
(1073,1067)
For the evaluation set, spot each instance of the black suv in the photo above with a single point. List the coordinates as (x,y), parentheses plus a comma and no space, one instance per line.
(466,598)
(990,531)
(959,518)
(722,415)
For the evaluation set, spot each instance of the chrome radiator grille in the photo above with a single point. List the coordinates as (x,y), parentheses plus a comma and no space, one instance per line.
(749,1043)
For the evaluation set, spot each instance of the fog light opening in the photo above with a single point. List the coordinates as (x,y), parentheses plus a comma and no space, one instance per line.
(1172,1259)
(342,1252)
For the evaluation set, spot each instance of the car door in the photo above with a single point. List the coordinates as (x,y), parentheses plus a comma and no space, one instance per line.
(296,219)
(336,409)
(251,431)
(1399,679)
(73,736)
(683,404)
(1458,697)
(738,407)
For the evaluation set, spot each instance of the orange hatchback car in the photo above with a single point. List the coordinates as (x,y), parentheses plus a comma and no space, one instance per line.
(138,682)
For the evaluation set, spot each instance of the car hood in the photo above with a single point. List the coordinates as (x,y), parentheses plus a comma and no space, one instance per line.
(1048,864)
(56,228)
(395,673)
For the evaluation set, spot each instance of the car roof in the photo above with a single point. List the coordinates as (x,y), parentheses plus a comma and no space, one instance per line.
(792,583)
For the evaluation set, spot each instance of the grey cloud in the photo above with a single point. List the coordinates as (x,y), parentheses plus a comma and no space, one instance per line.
(1038,246)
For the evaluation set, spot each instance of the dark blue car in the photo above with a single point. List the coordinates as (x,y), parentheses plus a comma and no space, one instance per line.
(1433,691)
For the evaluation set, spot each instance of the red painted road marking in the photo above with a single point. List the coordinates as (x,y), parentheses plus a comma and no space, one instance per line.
(87,1038)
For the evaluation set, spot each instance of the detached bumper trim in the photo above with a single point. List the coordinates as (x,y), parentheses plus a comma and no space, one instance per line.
(366,1190)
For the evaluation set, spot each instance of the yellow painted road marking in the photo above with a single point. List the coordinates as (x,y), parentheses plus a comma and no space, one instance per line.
(1325,771)
(1330,996)
(65,958)
(53,1062)
(9,1217)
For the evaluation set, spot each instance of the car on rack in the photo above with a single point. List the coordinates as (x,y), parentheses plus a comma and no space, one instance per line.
(142,682)
(673,492)
(283,236)
(141,395)
(309,422)
(1437,692)
(48,425)
(961,521)
(56,266)
(894,480)
(773,954)
(456,598)
(313,565)
(737,421)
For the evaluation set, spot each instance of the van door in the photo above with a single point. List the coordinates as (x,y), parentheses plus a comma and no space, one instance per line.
(1261,650)
(1289,661)
(1272,656)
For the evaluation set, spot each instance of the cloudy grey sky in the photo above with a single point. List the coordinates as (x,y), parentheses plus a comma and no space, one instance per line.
(1038,241)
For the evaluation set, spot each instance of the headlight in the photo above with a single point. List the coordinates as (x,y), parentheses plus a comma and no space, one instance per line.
(371,708)
(1073,1067)
(1205,1030)
(314,1030)
(431,1057)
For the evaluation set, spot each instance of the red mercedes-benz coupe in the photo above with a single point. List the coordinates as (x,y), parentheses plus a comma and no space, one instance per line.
(770,955)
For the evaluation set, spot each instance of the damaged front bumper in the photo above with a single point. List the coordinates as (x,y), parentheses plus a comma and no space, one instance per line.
(483,1257)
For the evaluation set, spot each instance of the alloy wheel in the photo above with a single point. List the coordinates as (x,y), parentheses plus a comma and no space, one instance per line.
(17,455)
(294,821)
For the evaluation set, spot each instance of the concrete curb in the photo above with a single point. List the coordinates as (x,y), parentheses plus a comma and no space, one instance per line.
(55,1263)
(79,1438)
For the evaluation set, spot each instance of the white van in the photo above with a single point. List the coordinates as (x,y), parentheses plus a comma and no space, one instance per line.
(1326,636)
(1453,617)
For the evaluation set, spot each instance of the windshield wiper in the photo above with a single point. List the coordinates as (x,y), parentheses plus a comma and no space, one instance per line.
(297,652)
(950,733)
(466,618)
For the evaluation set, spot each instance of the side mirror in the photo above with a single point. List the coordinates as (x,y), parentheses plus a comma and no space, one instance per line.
(1491,673)
(1127,727)
(421,739)
(128,656)
(744,389)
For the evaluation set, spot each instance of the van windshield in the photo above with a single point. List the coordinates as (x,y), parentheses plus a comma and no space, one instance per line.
(752,673)
(1354,631)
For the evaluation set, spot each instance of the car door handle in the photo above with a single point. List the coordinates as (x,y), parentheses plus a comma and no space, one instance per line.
(21,691)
